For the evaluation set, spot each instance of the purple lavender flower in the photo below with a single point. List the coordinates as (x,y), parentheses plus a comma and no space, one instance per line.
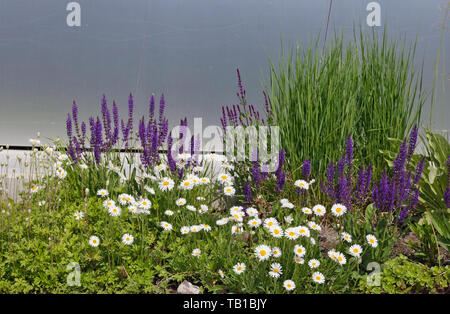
(241,94)
(115,135)
(412,142)
(419,171)
(399,162)
(306,169)
(83,135)
(383,194)
(281,180)
(70,148)
(75,119)
(328,188)
(248,192)
(170,160)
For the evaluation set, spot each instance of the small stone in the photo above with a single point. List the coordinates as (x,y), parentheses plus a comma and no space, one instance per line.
(188,288)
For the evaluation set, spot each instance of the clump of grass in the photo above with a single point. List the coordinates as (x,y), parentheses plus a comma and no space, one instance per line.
(367,87)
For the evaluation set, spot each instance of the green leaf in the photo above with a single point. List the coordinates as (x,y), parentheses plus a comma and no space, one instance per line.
(370,212)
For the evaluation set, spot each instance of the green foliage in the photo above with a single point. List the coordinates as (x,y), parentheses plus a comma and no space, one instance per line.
(382,226)
(367,87)
(402,276)
(426,249)
(434,177)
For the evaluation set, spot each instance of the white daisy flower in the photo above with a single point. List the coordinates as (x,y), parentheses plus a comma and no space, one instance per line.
(372,240)
(109,203)
(332,254)
(196,228)
(79,215)
(185,230)
(205,180)
(289,285)
(206,227)
(314,226)
(127,239)
(102,192)
(123,199)
(299,260)
(302,184)
(229,191)
(63,157)
(159,168)
(299,250)
(228,183)
(166,226)
(180,201)
(224,177)
(196,252)
(291,233)
(238,216)
(313,263)
(276,231)
(235,229)
(222,221)
(275,270)
(340,258)
(166,184)
(254,223)
(168,212)
(236,209)
(338,210)
(346,237)
(203,209)
(239,268)
(287,205)
(35,188)
(303,231)
(269,222)
(355,250)
(307,210)
(130,199)
(193,178)
(145,204)
(191,208)
(186,185)
(114,211)
(197,169)
(94,241)
(133,209)
(200,198)
(288,219)
(318,277)
(319,210)
(276,252)
(61,173)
